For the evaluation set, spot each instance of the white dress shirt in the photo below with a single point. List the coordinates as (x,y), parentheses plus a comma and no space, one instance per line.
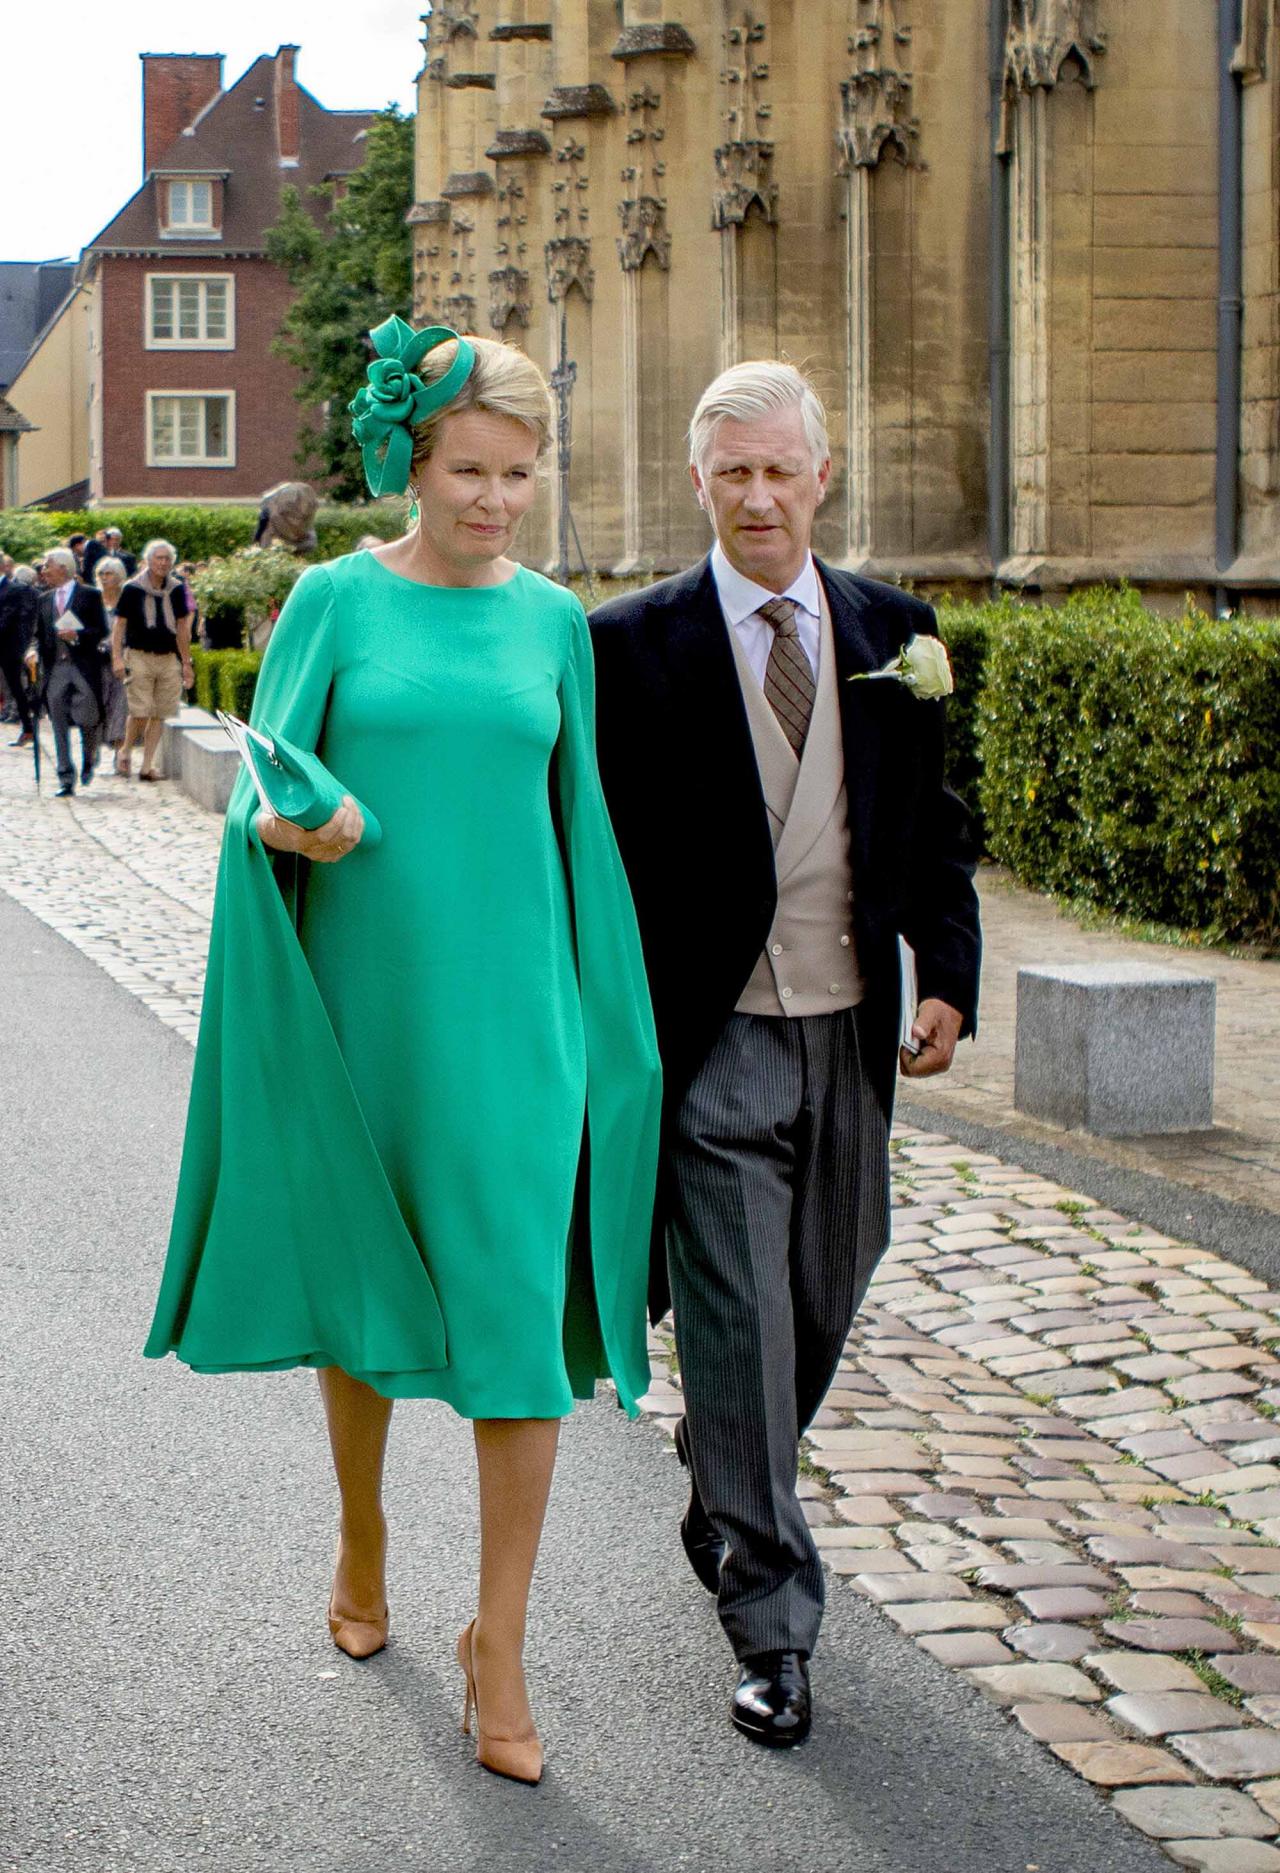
(741,599)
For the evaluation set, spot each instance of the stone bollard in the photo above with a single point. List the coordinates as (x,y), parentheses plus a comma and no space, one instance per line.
(1120,1049)
(198,755)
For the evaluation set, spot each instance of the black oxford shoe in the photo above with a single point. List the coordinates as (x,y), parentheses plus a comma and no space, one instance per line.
(704,1547)
(771,1703)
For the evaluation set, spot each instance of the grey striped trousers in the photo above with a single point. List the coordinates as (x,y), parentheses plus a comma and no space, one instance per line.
(781,1211)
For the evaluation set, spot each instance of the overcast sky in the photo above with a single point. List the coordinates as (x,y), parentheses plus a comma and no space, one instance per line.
(71,92)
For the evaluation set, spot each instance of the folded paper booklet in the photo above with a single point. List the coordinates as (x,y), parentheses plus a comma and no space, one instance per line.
(291,783)
(910,994)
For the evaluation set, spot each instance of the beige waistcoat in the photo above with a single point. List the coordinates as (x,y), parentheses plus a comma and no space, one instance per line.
(809,964)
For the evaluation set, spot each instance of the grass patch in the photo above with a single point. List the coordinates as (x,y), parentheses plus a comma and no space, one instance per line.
(1212,1679)
(806,1466)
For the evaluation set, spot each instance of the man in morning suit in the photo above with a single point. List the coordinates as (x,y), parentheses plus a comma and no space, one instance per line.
(781,826)
(17,628)
(71,624)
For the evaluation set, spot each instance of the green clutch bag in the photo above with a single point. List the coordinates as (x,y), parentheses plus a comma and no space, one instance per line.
(291,783)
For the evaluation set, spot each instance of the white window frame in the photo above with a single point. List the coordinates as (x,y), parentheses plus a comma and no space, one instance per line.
(171,224)
(191,461)
(152,343)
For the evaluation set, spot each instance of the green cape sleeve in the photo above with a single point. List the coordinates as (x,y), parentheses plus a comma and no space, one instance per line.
(287,1247)
(624,1086)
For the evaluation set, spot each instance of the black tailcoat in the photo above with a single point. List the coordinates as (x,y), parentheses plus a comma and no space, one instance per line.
(86,602)
(684,793)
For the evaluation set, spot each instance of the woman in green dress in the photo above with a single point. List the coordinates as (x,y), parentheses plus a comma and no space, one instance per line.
(423,1127)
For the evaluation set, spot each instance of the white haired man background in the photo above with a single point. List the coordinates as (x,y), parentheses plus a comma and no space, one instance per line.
(70,627)
(151,654)
(782,824)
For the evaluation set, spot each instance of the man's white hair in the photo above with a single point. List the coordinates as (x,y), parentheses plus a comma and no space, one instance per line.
(156,546)
(759,388)
(64,557)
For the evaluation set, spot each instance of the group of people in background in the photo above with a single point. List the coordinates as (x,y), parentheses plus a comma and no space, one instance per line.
(100,644)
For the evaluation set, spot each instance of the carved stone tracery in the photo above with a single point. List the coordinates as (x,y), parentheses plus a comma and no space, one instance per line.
(455,19)
(568,252)
(876,97)
(509,298)
(459,305)
(1250,59)
(1043,35)
(569,265)
(643,209)
(744,161)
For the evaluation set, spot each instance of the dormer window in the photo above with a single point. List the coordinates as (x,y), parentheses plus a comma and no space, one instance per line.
(190,206)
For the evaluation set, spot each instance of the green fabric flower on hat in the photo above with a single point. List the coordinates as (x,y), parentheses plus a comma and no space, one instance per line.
(394,400)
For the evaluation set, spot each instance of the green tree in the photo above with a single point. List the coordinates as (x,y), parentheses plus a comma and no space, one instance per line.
(350,270)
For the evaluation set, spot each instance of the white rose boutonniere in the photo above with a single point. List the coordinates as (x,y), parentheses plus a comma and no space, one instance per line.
(922,665)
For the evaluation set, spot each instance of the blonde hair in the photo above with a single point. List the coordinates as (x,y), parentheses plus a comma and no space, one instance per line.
(760,387)
(503,381)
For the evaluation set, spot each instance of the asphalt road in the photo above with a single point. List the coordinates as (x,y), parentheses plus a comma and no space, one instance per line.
(169,1697)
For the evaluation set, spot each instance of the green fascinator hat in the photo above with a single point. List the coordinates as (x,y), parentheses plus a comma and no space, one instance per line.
(394,400)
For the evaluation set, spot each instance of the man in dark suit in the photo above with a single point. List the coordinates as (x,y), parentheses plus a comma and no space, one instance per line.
(71,624)
(18,600)
(107,543)
(782,825)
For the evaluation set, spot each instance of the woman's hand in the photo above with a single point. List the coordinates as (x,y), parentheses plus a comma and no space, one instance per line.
(324,844)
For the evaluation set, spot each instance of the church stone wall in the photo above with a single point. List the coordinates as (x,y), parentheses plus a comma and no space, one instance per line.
(643,191)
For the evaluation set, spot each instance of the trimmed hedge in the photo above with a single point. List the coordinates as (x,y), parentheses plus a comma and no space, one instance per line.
(965,629)
(197,532)
(226,679)
(1134,760)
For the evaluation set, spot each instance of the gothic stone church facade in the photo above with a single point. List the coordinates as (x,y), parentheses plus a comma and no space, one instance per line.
(1028,247)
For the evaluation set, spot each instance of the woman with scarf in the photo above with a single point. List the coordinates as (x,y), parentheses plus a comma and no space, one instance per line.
(109,575)
(151,654)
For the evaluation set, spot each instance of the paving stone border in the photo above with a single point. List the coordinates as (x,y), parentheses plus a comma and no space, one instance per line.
(1051,1453)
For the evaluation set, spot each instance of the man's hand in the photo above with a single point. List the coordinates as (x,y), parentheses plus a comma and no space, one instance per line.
(937,1027)
(68,633)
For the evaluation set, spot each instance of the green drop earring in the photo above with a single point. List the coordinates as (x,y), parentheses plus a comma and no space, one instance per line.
(414,512)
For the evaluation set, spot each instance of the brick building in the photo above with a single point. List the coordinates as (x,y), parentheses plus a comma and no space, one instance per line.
(187,401)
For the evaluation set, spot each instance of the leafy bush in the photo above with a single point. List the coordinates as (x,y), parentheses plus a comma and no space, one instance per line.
(1135,761)
(27,534)
(965,630)
(206,670)
(338,528)
(237,679)
(198,532)
(226,679)
(253,582)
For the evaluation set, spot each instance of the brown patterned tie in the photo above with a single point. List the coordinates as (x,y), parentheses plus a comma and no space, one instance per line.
(788,677)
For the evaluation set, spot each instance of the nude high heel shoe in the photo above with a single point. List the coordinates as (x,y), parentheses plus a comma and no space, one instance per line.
(519,1758)
(358,1638)
(356,1634)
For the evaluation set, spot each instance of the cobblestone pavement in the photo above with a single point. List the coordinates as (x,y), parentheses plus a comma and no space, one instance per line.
(1051,1455)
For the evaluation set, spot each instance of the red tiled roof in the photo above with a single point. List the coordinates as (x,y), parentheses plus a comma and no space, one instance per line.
(235,136)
